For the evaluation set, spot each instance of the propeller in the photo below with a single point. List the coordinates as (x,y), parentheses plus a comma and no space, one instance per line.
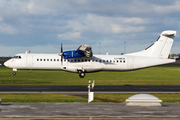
(61,54)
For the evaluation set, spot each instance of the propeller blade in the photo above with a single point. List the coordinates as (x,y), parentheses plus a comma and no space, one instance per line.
(61,54)
(61,48)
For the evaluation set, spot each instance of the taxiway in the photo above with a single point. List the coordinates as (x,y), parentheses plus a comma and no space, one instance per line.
(97,88)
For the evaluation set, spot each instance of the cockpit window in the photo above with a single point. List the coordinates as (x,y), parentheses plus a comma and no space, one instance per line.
(17,57)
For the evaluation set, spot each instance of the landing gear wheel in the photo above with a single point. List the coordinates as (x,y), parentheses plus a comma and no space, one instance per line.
(14,73)
(81,75)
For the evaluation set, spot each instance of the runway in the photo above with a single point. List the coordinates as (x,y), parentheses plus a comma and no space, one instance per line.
(85,111)
(97,88)
(89,111)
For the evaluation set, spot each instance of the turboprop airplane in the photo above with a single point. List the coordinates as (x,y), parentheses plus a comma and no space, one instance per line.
(83,61)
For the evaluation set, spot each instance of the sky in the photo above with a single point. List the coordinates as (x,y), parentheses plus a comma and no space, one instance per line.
(108,26)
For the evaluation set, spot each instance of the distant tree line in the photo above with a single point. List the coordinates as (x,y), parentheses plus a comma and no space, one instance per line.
(175,54)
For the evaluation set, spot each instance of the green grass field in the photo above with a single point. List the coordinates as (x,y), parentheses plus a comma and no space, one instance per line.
(61,98)
(121,97)
(39,98)
(149,76)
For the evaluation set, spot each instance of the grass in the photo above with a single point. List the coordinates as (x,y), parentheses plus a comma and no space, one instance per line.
(121,97)
(149,76)
(40,97)
(61,98)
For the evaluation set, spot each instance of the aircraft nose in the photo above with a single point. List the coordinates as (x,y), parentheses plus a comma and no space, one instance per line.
(6,63)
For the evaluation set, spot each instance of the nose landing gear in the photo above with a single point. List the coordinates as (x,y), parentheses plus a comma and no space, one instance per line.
(14,73)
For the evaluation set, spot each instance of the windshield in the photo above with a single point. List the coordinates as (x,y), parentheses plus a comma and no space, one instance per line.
(17,57)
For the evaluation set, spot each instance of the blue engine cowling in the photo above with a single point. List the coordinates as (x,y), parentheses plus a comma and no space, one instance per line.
(72,54)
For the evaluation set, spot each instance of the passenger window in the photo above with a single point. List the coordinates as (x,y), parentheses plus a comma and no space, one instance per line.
(124,61)
(47,59)
(78,60)
(103,60)
(40,59)
(75,60)
(64,60)
(85,60)
(54,59)
(71,60)
(51,59)
(19,57)
(37,59)
(99,60)
(110,60)
(107,61)
(121,61)
(44,59)
(96,60)
(117,61)
(58,60)
(82,60)
(89,60)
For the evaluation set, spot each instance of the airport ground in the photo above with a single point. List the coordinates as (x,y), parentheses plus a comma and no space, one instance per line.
(93,111)
(150,76)
(161,75)
(90,118)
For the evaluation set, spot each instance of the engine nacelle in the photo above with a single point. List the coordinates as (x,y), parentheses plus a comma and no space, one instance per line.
(86,50)
(71,54)
(83,50)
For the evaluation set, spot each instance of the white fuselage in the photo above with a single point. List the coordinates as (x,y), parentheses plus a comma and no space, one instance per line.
(93,64)
(156,54)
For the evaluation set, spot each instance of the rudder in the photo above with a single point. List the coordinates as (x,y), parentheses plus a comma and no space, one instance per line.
(169,39)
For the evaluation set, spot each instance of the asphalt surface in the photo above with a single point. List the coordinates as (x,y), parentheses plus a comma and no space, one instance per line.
(90,111)
(97,88)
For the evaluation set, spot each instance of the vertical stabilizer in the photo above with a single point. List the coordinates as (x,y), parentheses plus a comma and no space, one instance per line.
(161,48)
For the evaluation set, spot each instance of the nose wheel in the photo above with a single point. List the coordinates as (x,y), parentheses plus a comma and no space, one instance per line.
(14,71)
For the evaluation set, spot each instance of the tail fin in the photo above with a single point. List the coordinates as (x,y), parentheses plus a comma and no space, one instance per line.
(161,48)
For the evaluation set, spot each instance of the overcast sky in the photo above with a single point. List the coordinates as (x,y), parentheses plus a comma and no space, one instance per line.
(118,25)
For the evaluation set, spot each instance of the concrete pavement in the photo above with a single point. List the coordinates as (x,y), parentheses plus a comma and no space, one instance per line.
(87,111)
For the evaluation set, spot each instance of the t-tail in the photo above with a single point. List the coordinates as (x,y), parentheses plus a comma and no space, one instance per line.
(161,48)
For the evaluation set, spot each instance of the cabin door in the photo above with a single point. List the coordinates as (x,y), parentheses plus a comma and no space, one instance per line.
(130,62)
(29,60)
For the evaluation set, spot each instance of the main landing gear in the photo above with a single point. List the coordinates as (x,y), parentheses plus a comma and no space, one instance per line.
(81,73)
(14,73)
